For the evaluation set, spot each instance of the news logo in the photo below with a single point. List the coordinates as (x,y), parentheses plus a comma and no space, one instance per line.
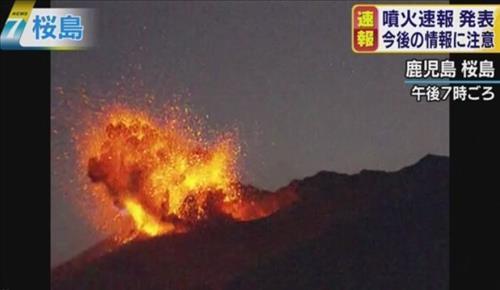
(47,28)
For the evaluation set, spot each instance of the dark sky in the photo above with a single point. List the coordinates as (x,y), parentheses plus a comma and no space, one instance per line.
(283,73)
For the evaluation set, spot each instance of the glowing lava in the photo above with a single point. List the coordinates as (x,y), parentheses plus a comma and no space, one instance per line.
(160,174)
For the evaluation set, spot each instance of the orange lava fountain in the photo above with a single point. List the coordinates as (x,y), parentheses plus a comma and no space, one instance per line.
(159,176)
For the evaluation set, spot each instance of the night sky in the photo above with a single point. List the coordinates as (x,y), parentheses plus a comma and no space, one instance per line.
(283,73)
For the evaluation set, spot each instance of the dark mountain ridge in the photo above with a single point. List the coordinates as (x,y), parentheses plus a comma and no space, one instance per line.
(371,230)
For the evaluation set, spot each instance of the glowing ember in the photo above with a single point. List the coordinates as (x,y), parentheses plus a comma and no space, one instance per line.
(162,175)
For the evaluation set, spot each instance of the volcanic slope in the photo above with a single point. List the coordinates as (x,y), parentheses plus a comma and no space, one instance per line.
(371,230)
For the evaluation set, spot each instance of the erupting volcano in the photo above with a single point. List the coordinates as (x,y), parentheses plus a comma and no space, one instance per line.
(156,177)
(179,218)
(371,230)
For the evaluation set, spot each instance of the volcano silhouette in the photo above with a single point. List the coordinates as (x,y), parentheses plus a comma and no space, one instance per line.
(372,230)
